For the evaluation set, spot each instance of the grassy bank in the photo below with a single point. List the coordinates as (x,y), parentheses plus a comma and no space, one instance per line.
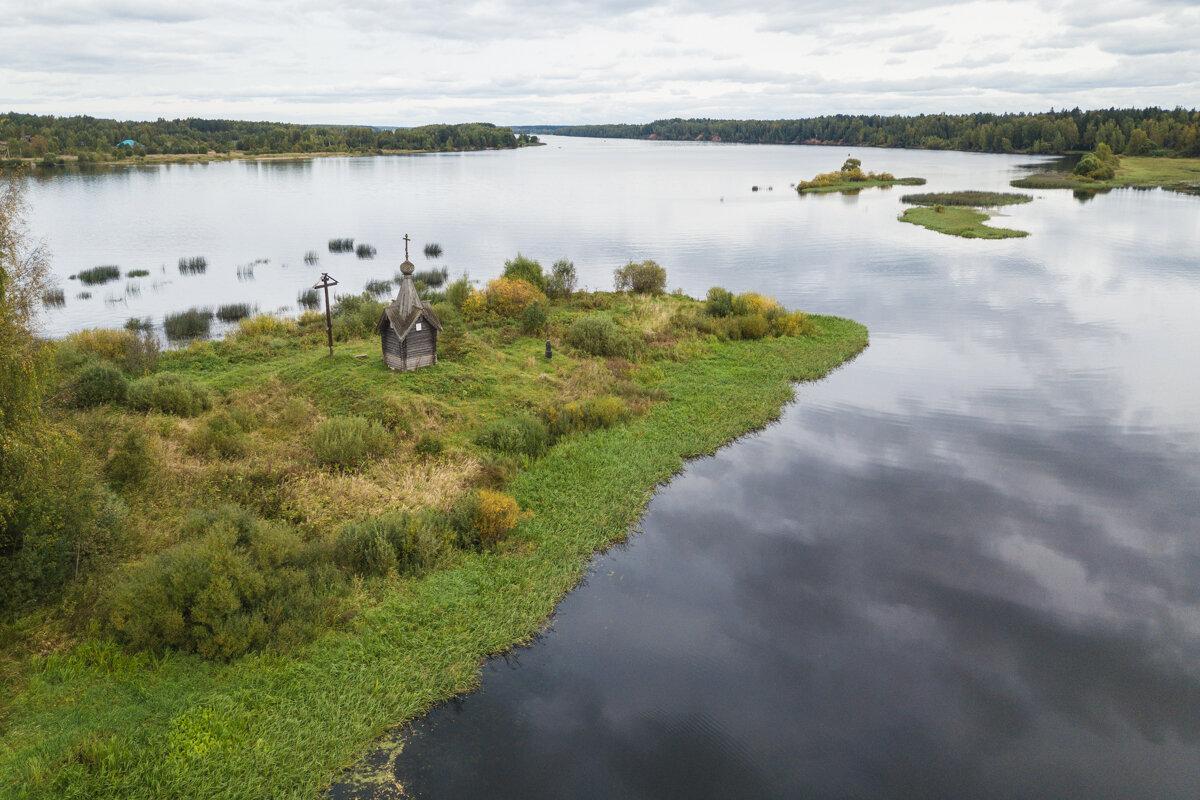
(87,717)
(1175,174)
(971,198)
(958,221)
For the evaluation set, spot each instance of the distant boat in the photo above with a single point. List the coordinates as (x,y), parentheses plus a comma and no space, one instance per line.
(127,143)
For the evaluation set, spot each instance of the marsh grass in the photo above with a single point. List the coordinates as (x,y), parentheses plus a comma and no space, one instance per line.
(99,275)
(312,257)
(194,323)
(309,299)
(341,245)
(364,250)
(378,287)
(433,250)
(433,278)
(958,221)
(138,273)
(193,265)
(233,312)
(976,199)
(54,298)
(245,272)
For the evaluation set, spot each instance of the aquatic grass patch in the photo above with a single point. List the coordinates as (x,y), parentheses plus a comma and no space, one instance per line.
(343,245)
(139,324)
(137,273)
(96,276)
(232,312)
(958,221)
(433,278)
(245,272)
(309,299)
(312,257)
(193,265)
(975,199)
(191,324)
(54,298)
(433,250)
(364,251)
(378,287)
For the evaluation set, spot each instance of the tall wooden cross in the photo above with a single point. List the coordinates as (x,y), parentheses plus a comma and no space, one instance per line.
(406,240)
(325,283)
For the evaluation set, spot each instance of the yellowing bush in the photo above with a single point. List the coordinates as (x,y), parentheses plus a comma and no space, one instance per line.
(496,515)
(509,297)
(104,342)
(475,305)
(754,303)
(266,325)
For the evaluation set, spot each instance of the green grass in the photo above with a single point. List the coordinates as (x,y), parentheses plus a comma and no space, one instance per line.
(971,198)
(92,721)
(852,187)
(99,275)
(958,221)
(1175,174)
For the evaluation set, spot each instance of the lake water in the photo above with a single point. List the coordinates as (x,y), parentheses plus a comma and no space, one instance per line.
(965,565)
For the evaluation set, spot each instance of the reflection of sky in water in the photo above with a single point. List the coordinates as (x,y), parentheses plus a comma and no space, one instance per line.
(966,565)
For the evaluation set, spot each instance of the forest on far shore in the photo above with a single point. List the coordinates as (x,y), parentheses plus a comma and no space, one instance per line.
(90,138)
(1128,131)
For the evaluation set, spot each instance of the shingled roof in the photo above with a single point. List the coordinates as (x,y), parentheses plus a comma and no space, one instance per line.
(408,306)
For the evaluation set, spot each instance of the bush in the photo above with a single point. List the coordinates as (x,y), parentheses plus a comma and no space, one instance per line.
(428,445)
(521,434)
(168,394)
(347,442)
(141,354)
(719,302)
(452,337)
(753,326)
(106,343)
(219,435)
(791,323)
(190,324)
(645,277)
(234,585)
(458,291)
(356,316)
(266,325)
(504,297)
(752,303)
(598,335)
(561,283)
(525,269)
(97,385)
(534,318)
(393,542)
(585,415)
(130,463)
(483,517)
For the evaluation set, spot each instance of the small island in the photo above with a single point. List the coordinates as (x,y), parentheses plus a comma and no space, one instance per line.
(851,178)
(1103,170)
(249,557)
(959,214)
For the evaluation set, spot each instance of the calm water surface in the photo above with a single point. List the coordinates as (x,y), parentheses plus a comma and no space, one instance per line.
(965,565)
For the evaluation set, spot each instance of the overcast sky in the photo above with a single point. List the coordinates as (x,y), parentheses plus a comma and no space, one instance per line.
(519,61)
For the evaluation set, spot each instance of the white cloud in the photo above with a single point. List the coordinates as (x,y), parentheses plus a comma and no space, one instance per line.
(518,61)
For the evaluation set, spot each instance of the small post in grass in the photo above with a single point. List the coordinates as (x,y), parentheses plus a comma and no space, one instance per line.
(325,283)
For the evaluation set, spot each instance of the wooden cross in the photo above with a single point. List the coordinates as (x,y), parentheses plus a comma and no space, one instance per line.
(406,240)
(326,282)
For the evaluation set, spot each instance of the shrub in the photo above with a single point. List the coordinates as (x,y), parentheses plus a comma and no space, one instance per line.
(141,354)
(561,282)
(458,291)
(97,385)
(645,277)
(791,323)
(584,415)
(598,335)
(719,302)
(99,275)
(753,326)
(168,394)
(752,303)
(433,250)
(308,298)
(106,343)
(483,517)
(234,585)
(428,445)
(190,324)
(452,337)
(347,442)
(525,269)
(341,245)
(356,316)
(266,325)
(364,251)
(392,542)
(534,318)
(130,463)
(233,312)
(520,434)
(219,435)
(505,297)
(196,265)
(139,324)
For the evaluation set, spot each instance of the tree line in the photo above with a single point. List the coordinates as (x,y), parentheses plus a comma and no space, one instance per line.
(1129,131)
(37,136)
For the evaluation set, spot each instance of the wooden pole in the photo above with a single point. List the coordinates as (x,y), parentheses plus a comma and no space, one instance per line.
(325,283)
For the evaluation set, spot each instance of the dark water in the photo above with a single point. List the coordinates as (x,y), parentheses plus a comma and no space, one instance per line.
(965,565)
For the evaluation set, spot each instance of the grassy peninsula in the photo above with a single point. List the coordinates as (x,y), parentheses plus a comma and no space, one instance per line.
(958,221)
(851,178)
(240,562)
(1102,170)
(51,141)
(973,198)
